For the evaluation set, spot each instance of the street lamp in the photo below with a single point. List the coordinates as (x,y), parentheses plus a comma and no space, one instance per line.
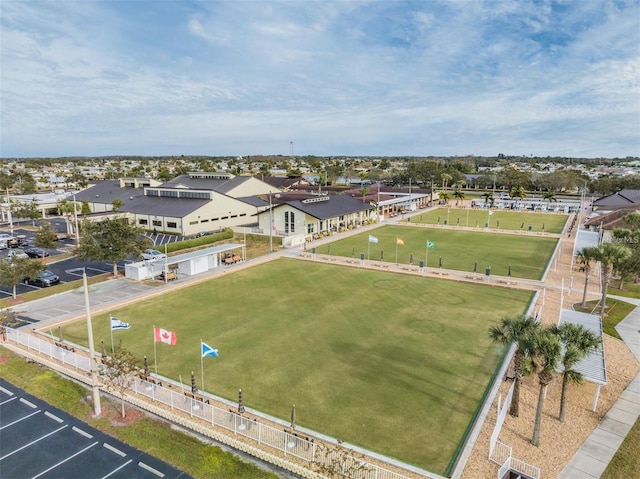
(270,225)
(92,365)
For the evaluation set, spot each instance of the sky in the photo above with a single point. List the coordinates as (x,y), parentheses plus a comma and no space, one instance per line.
(327,78)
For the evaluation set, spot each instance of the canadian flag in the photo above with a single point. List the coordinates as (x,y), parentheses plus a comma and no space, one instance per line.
(164,336)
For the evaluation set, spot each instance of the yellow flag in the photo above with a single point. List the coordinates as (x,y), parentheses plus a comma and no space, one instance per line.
(399,242)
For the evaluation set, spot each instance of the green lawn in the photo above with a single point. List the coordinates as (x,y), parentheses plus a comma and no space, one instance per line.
(506,220)
(459,250)
(394,363)
(183,450)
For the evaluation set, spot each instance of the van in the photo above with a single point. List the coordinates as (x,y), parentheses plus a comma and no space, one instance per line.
(4,240)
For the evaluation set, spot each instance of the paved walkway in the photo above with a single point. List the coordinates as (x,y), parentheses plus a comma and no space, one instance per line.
(590,461)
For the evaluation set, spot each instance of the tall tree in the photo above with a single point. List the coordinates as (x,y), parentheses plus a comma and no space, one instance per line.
(16,270)
(518,192)
(550,197)
(577,342)
(587,255)
(69,209)
(546,354)
(609,255)
(46,236)
(27,210)
(488,198)
(112,239)
(458,194)
(519,331)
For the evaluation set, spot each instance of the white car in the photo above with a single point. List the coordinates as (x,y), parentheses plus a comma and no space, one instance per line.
(152,254)
(17,253)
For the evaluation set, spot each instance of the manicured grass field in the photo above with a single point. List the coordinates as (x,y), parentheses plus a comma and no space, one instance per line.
(505,220)
(394,363)
(459,250)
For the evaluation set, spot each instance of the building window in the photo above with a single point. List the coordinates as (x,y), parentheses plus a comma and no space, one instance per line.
(193,222)
(309,228)
(156,223)
(171,224)
(204,221)
(143,222)
(289,222)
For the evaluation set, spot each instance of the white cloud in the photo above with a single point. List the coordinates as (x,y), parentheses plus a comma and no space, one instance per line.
(381,77)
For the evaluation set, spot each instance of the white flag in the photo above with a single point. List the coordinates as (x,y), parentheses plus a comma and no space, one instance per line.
(117,324)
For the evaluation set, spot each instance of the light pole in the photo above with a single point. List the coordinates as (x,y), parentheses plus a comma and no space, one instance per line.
(270,225)
(92,365)
(75,221)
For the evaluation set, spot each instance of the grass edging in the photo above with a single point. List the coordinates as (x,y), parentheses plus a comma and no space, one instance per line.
(182,450)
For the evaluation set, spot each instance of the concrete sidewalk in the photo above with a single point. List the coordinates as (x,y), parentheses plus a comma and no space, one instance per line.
(590,461)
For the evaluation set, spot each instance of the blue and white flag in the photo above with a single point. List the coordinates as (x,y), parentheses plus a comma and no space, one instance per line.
(373,239)
(117,324)
(208,350)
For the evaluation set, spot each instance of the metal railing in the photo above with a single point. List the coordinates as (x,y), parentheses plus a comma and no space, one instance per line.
(285,440)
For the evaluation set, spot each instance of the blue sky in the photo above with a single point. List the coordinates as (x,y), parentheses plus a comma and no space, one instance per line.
(335,77)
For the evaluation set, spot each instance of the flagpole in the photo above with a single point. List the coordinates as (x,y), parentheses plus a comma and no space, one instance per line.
(426,254)
(155,357)
(368,249)
(396,251)
(111,328)
(202,365)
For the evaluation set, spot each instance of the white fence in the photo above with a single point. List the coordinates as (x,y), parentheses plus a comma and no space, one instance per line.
(289,443)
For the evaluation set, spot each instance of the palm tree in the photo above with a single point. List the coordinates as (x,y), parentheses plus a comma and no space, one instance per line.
(446,178)
(488,198)
(550,197)
(546,354)
(519,330)
(444,196)
(587,255)
(364,191)
(518,192)
(458,194)
(577,342)
(610,255)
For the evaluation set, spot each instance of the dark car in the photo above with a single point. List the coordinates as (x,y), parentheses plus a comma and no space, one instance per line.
(43,279)
(35,252)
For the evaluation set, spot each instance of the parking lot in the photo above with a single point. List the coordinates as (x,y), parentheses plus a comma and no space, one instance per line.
(62,267)
(39,440)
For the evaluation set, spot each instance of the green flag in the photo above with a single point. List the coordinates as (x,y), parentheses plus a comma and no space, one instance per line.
(431,244)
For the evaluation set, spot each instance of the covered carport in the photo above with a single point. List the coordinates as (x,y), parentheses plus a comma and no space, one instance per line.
(186,264)
(592,367)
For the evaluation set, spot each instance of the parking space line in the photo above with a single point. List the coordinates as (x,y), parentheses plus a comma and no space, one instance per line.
(30,404)
(8,400)
(81,432)
(150,469)
(6,391)
(33,442)
(67,459)
(19,420)
(117,469)
(55,418)
(113,449)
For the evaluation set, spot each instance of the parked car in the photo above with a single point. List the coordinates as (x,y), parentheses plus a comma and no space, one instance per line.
(35,252)
(152,254)
(43,279)
(18,241)
(17,253)
(202,233)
